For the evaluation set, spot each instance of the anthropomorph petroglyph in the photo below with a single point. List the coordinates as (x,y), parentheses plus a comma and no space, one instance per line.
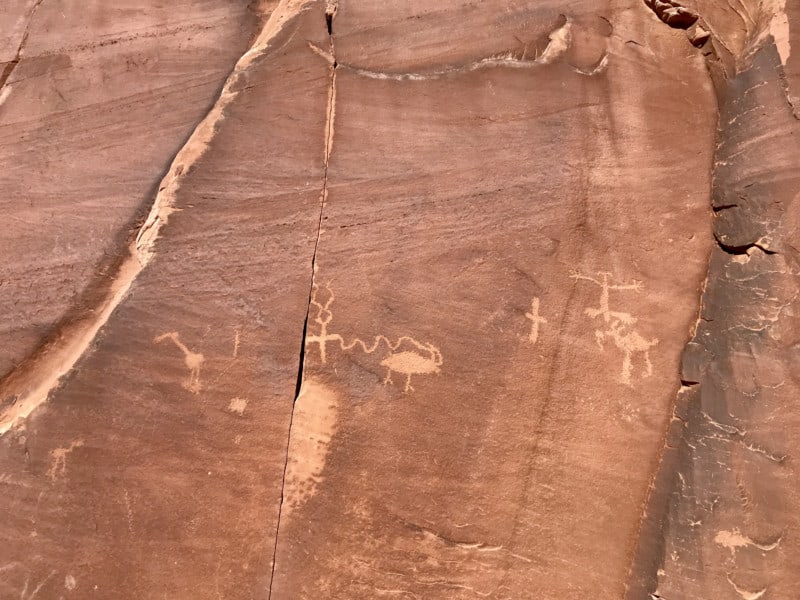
(603,309)
(58,457)
(536,320)
(193,360)
(406,356)
(323,318)
(619,326)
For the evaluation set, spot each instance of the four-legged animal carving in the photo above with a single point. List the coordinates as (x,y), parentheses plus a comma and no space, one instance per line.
(629,342)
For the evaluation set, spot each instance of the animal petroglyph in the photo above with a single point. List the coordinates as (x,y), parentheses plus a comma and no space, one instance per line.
(619,326)
(58,466)
(193,360)
(536,320)
(406,356)
(425,359)
(629,342)
(733,540)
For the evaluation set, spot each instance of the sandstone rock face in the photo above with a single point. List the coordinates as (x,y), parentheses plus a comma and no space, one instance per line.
(415,300)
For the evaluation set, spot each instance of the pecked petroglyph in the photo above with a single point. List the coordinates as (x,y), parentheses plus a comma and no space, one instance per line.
(58,466)
(237,406)
(629,342)
(536,320)
(423,359)
(313,427)
(406,356)
(323,318)
(734,540)
(237,341)
(746,594)
(618,326)
(604,310)
(193,360)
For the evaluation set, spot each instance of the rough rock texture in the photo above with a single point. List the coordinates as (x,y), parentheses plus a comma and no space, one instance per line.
(414,300)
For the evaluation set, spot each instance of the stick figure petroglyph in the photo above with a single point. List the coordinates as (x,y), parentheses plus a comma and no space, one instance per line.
(58,466)
(535,319)
(419,359)
(604,310)
(193,360)
(619,327)
(323,318)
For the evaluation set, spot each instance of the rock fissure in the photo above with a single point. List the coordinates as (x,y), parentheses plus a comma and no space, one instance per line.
(746,249)
(12,64)
(690,417)
(330,114)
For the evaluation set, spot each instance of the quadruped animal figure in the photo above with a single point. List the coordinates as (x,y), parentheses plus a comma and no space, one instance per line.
(618,325)
(629,342)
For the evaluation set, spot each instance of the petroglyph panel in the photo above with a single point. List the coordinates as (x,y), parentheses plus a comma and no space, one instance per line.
(405,356)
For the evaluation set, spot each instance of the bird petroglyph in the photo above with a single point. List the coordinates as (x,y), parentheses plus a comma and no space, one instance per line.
(425,359)
(193,360)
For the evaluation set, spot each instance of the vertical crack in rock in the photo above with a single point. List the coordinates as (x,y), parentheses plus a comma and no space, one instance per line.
(12,64)
(649,529)
(721,416)
(330,115)
(31,382)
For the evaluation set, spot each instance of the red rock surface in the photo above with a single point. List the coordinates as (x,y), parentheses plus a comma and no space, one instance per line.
(366,300)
